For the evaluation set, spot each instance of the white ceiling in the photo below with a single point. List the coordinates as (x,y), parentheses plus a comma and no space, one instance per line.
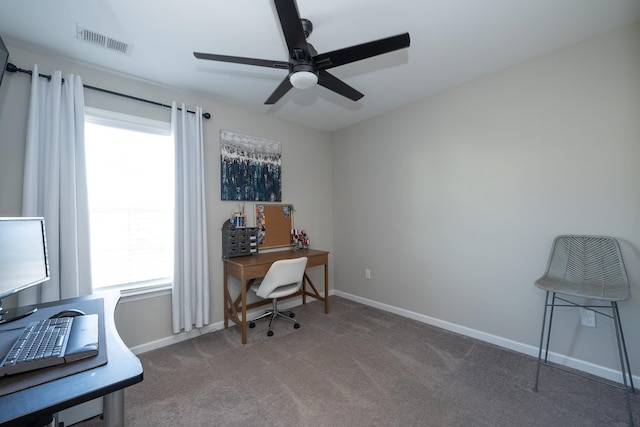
(452,42)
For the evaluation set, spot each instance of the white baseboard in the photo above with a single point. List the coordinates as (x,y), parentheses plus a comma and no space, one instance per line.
(570,362)
(183,336)
(174,339)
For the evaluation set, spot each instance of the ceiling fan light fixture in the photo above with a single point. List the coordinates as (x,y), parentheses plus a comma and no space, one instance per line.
(303,79)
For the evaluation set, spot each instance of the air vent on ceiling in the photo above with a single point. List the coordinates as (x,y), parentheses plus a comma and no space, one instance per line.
(96,38)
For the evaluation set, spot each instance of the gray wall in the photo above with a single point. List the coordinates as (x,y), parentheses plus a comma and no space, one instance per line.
(306,169)
(453,201)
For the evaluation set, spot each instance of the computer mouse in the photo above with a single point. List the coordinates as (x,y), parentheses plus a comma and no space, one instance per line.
(69,312)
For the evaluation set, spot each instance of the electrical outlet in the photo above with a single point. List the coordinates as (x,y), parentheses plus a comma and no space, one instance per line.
(367,274)
(588,317)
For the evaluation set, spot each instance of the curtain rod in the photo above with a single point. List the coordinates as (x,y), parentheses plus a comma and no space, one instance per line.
(14,69)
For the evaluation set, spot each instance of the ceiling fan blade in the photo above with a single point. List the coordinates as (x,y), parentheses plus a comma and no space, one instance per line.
(241,60)
(333,83)
(347,55)
(292,27)
(280,91)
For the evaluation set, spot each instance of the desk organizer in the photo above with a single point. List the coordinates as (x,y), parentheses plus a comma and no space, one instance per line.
(239,241)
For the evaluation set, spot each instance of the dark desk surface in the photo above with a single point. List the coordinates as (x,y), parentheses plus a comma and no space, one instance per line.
(122,370)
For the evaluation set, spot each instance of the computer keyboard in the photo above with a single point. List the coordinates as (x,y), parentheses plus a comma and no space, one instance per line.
(51,342)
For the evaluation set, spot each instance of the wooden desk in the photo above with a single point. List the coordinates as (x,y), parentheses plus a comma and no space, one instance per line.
(249,268)
(36,404)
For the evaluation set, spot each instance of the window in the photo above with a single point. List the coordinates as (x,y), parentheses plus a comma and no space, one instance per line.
(130,180)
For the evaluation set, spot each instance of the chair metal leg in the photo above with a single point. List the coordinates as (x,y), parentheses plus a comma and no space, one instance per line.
(272,314)
(285,312)
(622,353)
(553,306)
(622,349)
(267,313)
(544,319)
(624,345)
(286,316)
(262,316)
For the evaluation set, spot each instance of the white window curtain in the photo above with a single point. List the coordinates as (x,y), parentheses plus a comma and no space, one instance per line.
(190,299)
(55,185)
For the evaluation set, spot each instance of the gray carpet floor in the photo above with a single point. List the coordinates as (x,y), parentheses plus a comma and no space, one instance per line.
(358,366)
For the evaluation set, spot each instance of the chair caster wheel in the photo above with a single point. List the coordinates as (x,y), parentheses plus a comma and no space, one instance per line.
(270,333)
(292,315)
(296,326)
(252,325)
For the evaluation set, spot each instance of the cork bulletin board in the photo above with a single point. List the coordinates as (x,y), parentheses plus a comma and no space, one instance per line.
(275,222)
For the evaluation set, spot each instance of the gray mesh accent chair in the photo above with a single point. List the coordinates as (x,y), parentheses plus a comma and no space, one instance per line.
(588,269)
(284,278)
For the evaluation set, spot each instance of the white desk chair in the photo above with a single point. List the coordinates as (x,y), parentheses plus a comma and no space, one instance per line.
(284,278)
(588,268)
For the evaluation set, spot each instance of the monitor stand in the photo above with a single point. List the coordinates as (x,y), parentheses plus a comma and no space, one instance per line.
(11,314)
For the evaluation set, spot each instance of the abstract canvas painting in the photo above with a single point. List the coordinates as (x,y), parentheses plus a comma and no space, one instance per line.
(250,168)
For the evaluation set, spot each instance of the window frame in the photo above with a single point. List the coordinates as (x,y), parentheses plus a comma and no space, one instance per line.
(139,124)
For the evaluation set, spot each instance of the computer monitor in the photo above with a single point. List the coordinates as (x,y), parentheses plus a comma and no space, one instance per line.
(4,58)
(24,260)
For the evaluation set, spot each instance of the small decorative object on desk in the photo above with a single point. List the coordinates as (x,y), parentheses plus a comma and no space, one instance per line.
(299,239)
(238,218)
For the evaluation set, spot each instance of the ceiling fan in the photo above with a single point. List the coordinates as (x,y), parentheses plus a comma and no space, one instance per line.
(306,67)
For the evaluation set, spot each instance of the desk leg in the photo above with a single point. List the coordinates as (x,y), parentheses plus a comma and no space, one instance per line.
(326,288)
(243,283)
(227,300)
(305,278)
(113,410)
